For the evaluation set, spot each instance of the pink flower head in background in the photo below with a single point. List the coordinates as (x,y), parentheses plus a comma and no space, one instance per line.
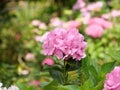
(112,14)
(48,61)
(115,13)
(79,4)
(29,56)
(112,81)
(73,24)
(35,83)
(35,22)
(94,31)
(107,24)
(100,21)
(95,6)
(41,38)
(38,38)
(86,16)
(106,16)
(24,72)
(40,24)
(65,43)
(56,22)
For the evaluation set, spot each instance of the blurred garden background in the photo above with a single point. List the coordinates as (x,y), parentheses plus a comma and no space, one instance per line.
(24,24)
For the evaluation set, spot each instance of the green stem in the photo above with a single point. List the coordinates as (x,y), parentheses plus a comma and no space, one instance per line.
(65,74)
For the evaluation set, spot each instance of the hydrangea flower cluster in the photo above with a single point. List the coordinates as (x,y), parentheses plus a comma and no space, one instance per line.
(48,61)
(65,44)
(113,80)
(12,87)
(96,27)
(112,14)
(35,83)
(56,22)
(39,24)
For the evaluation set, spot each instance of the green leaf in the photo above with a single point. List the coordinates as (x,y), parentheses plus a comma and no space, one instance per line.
(88,85)
(68,87)
(85,66)
(51,86)
(107,67)
(99,86)
(93,74)
(115,55)
(73,65)
(23,86)
(57,75)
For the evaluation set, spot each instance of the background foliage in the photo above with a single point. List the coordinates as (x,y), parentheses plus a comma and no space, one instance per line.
(17,39)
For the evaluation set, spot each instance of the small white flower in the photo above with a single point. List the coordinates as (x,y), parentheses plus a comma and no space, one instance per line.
(1,84)
(4,88)
(13,88)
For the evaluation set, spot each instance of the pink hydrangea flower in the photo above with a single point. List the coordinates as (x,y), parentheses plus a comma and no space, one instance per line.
(56,22)
(100,21)
(29,56)
(106,16)
(48,61)
(37,38)
(112,81)
(107,24)
(94,31)
(86,16)
(79,4)
(41,38)
(65,43)
(42,25)
(35,22)
(115,13)
(73,24)
(95,6)
(35,83)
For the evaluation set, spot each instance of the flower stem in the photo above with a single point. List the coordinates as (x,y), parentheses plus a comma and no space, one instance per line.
(65,74)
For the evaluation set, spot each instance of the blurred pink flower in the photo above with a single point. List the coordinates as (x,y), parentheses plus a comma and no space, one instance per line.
(95,6)
(107,24)
(79,4)
(48,61)
(35,83)
(24,72)
(115,13)
(35,22)
(73,24)
(41,38)
(62,43)
(38,38)
(56,22)
(17,36)
(29,56)
(86,16)
(94,31)
(100,21)
(112,81)
(112,14)
(106,16)
(83,10)
(42,25)
(44,36)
